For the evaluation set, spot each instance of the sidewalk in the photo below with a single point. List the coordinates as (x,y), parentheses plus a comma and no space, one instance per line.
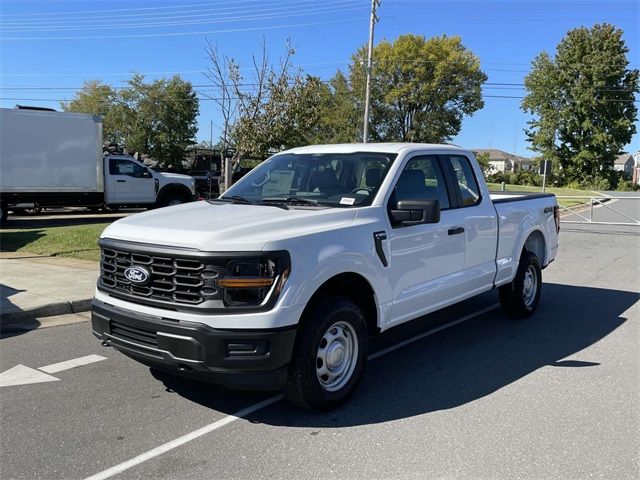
(32,286)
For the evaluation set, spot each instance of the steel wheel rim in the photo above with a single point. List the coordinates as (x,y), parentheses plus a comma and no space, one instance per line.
(337,356)
(174,202)
(530,286)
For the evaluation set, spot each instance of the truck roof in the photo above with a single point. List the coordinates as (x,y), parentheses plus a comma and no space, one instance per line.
(372,147)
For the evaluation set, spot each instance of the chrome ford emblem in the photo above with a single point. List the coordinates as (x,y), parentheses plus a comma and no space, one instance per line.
(138,275)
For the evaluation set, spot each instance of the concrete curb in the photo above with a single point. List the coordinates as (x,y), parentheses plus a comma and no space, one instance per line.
(50,310)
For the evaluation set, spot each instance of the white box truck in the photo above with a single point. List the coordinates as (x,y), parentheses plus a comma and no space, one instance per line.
(55,159)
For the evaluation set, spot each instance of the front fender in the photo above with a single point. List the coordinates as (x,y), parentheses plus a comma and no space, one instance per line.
(309,271)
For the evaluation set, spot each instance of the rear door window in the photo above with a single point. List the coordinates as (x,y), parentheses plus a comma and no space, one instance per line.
(465,180)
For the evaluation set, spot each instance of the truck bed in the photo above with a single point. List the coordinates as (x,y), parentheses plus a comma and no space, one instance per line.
(505,197)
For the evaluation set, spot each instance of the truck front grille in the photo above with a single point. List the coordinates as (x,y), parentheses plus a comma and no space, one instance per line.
(181,281)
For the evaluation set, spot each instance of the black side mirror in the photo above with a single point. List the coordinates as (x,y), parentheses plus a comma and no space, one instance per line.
(146,174)
(416,212)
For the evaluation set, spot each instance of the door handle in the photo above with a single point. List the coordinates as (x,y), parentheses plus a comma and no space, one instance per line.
(121,181)
(456,231)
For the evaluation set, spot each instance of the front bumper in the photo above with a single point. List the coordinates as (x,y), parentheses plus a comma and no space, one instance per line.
(239,359)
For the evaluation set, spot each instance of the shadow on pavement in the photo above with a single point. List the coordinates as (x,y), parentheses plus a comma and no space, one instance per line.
(13,241)
(10,328)
(452,367)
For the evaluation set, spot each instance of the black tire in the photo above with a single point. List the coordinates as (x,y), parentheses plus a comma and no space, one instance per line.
(110,208)
(306,386)
(93,209)
(520,297)
(173,199)
(27,211)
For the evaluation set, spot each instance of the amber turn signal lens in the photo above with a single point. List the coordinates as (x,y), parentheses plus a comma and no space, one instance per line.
(245,282)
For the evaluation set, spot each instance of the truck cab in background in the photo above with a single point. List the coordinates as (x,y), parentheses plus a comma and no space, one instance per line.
(129,182)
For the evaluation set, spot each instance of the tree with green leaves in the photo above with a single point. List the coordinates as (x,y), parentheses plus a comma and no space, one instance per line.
(582,101)
(273,108)
(485,165)
(339,116)
(99,98)
(158,119)
(421,88)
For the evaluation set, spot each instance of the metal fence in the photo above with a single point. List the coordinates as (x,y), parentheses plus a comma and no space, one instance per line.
(599,210)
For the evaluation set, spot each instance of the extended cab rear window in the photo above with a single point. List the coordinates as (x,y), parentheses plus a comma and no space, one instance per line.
(465,179)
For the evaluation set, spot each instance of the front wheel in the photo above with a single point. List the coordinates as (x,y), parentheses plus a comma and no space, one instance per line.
(329,355)
(520,297)
(173,199)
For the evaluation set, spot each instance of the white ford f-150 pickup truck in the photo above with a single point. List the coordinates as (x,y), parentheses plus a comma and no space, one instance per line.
(280,282)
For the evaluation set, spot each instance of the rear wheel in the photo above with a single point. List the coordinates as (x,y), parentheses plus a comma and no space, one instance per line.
(110,208)
(27,211)
(520,297)
(328,359)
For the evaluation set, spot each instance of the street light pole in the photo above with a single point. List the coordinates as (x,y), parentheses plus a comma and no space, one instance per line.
(367,96)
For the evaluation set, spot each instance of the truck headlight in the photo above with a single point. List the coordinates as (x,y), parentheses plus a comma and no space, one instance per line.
(254,281)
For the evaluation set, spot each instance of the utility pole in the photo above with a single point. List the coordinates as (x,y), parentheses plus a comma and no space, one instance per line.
(367,96)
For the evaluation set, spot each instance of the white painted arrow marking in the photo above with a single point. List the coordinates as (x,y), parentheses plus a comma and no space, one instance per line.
(21,375)
(76,362)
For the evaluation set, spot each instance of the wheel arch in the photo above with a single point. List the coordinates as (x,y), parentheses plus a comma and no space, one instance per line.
(173,188)
(535,243)
(353,286)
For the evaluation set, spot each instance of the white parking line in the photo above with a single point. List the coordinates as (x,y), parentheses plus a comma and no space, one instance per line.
(184,439)
(258,406)
(76,362)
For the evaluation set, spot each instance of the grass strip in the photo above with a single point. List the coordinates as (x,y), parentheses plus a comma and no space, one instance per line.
(76,241)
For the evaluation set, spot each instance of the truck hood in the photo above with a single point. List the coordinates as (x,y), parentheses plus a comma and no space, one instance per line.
(224,227)
(176,177)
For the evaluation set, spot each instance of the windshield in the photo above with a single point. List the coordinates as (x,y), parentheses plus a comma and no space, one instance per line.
(331,179)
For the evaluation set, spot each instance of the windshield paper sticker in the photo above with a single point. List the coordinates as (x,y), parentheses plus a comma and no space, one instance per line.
(279,183)
(347,201)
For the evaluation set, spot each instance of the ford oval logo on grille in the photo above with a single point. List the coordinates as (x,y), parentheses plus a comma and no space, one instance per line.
(137,275)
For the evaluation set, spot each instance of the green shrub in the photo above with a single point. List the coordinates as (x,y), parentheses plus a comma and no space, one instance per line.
(628,186)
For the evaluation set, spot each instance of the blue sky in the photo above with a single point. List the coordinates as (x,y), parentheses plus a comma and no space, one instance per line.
(48,48)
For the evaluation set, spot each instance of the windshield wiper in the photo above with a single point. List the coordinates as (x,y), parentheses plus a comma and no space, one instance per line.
(293,200)
(234,199)
(246,201)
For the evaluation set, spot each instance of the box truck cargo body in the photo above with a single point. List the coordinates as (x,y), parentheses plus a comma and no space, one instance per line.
(45,151)
(55,159)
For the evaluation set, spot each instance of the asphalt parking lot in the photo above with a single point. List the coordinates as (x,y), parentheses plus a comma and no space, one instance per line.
(554,396)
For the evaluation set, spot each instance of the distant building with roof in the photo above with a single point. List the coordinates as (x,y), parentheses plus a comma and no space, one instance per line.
(502,161)
(624,163)
(635,175)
